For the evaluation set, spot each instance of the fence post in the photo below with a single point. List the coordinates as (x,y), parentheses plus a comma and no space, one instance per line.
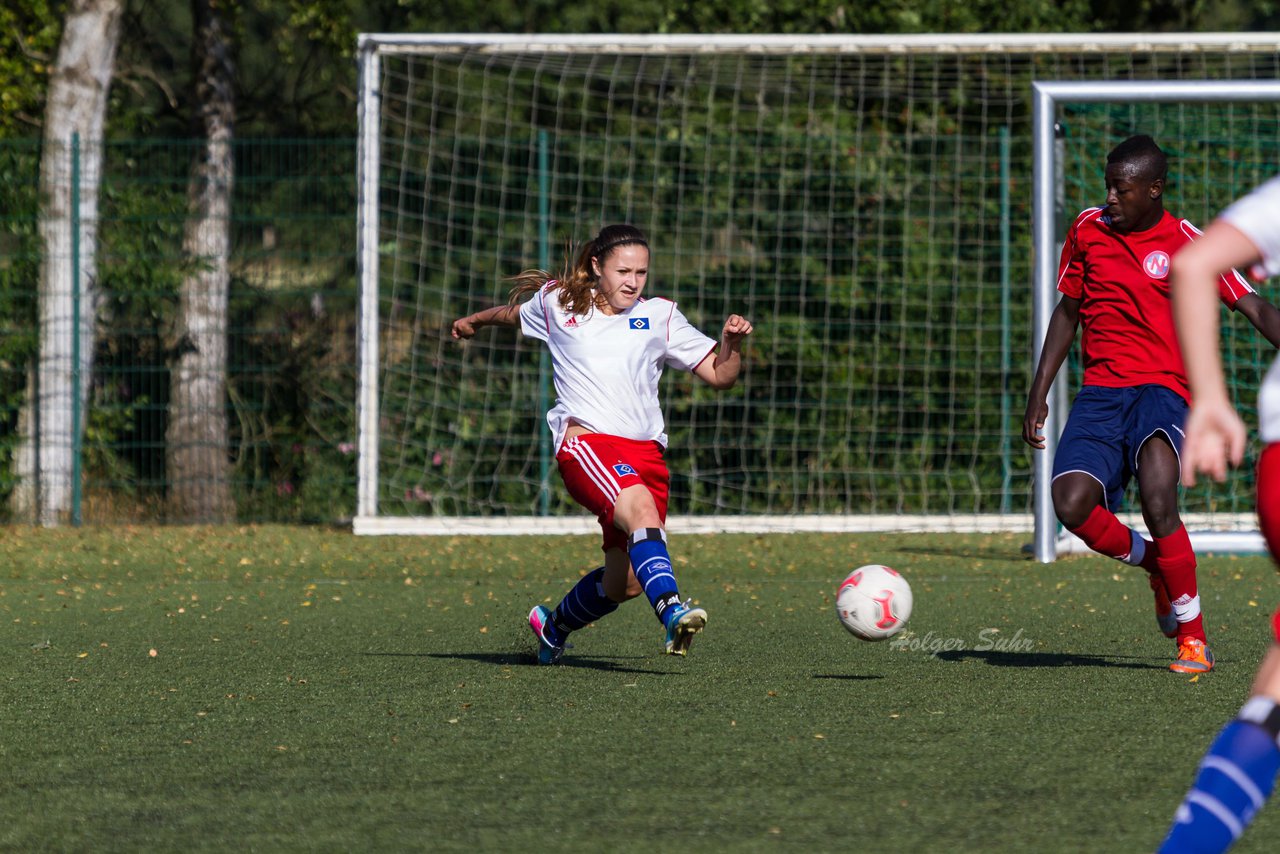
(76,434)
(1005,356)
(544,368)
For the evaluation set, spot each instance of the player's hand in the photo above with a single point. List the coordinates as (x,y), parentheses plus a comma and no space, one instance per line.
(1215,439)
(463,327)
(736,327)
(1033,423)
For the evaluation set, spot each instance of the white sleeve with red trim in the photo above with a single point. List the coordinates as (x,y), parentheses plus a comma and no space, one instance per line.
(1231,286)
(1257,215)
(686,346)
(534,319)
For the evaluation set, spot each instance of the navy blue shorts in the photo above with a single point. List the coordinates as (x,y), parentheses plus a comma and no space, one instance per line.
(1108,426)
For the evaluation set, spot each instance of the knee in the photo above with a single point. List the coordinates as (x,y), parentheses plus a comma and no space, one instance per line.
(635,508)
(1161,517)
(1160,506)
(1072,506)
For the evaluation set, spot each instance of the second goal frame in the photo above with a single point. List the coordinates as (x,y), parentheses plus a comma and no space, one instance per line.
(1046,96)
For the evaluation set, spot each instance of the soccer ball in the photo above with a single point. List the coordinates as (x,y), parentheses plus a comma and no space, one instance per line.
(874,602)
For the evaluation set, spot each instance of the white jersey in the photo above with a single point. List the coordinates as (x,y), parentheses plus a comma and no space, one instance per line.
(607,367)
(1257,215)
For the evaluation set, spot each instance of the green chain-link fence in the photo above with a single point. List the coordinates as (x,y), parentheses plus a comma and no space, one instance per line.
(291,341)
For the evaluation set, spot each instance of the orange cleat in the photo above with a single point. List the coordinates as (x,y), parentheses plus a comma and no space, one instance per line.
(1193,657)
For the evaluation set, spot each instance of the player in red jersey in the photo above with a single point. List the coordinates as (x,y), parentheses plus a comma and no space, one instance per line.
(1127,419)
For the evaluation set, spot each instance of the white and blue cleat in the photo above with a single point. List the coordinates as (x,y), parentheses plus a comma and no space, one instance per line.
(682,624)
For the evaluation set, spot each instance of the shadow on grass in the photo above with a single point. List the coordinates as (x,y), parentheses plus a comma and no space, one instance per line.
(519,659)
(999,658)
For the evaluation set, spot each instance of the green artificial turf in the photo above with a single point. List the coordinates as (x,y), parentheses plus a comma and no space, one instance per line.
(277,689)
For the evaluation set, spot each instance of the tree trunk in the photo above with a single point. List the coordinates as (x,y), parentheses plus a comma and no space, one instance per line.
(77,107)
(197,445)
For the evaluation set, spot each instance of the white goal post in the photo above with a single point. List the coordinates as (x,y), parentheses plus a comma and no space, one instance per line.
(863,198)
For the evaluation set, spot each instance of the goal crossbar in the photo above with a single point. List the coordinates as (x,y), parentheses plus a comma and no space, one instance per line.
(852,44)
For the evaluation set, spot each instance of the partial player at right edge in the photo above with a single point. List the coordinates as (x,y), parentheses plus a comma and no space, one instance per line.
(1239,770)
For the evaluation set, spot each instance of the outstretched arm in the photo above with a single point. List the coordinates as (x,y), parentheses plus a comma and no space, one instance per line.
(722,371)
(1264,316)
(498,315)
(1215,435)
(1057,342)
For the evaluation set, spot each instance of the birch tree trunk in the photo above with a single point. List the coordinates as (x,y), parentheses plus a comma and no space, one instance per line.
(76,107)
(197,445)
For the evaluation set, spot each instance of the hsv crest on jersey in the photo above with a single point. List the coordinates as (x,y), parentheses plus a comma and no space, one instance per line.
(639,323)
(622,470)
(1156,264)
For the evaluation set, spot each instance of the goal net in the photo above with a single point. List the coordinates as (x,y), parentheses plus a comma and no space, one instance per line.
(866,201)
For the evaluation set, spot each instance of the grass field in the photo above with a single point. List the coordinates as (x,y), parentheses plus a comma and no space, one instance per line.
(276,689)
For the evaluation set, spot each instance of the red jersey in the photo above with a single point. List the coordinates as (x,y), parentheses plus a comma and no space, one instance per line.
(1122,282)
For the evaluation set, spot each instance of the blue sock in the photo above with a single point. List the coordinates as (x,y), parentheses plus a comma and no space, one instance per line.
(1235,779)
(647,548)
(584,604)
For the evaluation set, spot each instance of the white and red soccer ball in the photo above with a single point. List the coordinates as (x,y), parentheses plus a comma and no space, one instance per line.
(874,602)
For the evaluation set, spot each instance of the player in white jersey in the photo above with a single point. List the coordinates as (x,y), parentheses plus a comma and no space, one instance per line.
(1239,769)
(609,346)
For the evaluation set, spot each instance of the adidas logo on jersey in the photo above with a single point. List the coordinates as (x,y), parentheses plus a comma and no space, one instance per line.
(571,323)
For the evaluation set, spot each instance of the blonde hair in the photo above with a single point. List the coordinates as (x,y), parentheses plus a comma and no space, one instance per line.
(576,283)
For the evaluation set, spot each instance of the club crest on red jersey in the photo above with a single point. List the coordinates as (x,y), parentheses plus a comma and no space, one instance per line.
(1156,264)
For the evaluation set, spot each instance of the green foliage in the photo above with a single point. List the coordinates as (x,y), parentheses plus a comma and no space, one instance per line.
(878,16)
(864,242)
(295,74)
(293,424)
(862,227)
(19,275)
(291,339)
(31,29)
(109,425)
(874,274)
(293,362)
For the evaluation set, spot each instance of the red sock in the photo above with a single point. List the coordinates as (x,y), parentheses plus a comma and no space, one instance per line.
(1150,559)
(1105,534)
(1177,562)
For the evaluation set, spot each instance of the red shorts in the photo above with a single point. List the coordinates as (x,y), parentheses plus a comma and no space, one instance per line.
(1269,510)
(597,467)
